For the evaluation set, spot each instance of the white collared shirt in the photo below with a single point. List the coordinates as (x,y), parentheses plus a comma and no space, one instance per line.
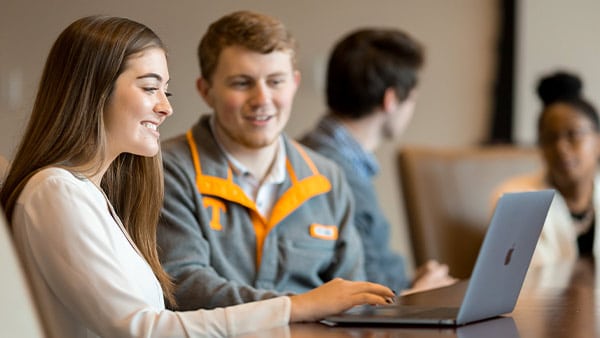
(264,194)
(90,281)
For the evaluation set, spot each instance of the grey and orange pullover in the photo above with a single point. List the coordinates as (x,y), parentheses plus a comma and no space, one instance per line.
(221,251)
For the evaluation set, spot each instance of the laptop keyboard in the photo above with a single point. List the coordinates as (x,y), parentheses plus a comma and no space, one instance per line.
(411,312)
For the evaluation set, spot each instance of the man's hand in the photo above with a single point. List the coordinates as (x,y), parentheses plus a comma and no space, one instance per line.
(431,275)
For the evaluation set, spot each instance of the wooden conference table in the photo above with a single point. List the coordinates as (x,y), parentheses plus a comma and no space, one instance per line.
(558,301)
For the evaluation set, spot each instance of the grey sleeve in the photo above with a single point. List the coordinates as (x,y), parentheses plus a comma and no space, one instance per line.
(382,264)
(184,249)
(349,261)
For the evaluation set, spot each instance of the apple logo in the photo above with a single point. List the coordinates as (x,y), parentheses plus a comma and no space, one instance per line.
(509,254)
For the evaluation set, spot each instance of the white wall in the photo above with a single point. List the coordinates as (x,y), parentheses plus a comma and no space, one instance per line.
(460,37)
(554,34)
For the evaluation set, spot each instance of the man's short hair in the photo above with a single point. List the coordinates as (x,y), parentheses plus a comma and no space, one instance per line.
(254,31)
(365,63)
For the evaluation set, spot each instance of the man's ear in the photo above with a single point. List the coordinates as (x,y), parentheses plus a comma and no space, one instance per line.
(297,77)
(390,100)
(204,89)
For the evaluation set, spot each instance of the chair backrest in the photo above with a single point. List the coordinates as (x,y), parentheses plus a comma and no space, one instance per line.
(18,313)
(447,195)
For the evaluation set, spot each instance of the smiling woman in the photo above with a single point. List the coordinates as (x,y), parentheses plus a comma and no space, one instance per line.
(85,189)
(138,105)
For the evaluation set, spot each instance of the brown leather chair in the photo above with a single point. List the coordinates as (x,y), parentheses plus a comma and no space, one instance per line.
(447,195)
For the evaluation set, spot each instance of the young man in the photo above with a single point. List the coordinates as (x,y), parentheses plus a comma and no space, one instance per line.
(371,92)
(250,214)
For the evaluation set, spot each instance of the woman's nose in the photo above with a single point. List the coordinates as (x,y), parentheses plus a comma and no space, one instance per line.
(164,106)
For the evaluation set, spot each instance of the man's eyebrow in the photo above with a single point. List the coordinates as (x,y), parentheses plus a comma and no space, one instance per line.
(238,75)
(151,75)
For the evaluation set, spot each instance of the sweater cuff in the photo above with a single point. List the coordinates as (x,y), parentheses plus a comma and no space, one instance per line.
(261,315)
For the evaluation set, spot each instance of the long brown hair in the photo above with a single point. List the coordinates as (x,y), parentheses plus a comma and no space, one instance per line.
(66,127)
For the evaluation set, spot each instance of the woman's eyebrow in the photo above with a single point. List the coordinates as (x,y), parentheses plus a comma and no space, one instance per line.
(151,75)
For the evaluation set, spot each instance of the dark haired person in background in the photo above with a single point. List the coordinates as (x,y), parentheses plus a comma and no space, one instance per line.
(371,94)
(569,140)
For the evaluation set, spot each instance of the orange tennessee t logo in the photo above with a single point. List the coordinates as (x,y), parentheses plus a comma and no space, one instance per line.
(217,206)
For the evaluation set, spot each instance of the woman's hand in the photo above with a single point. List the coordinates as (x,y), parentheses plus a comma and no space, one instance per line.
(337,296)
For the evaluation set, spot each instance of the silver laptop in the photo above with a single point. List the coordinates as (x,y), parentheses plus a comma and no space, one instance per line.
(495,282)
